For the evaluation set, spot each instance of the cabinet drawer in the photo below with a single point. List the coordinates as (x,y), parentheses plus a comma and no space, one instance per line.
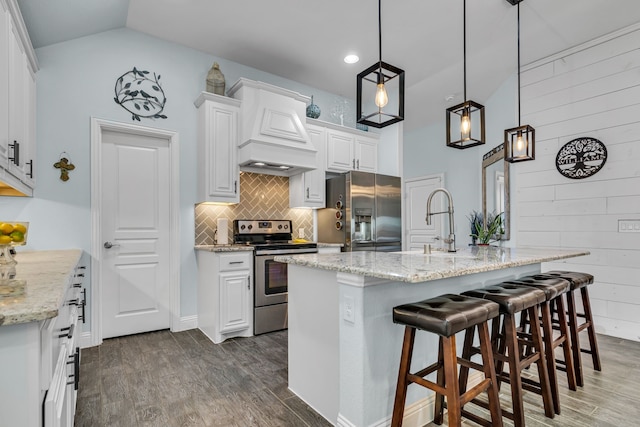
(236,261)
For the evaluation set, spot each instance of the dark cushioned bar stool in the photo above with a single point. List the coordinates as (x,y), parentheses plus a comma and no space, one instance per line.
(446,315)
(554,288)
(579,281)
(507,346)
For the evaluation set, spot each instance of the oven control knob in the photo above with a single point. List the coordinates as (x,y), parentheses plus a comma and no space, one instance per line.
(338,225)
(339,204)
(250,226)
(280,227)
(286,226)
(242,227)
(338,214)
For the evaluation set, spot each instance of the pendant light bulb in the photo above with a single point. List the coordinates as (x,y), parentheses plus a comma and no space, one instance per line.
(519,142)
(382,98)
(465,125)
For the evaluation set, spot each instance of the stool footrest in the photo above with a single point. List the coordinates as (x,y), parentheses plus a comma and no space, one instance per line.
(426,371)
(469,364)
(476,419)
(475,391)
(426,383)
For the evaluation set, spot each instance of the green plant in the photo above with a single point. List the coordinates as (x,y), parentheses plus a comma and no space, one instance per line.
(491,232)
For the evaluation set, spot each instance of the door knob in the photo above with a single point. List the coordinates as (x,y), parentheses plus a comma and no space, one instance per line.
(109,245)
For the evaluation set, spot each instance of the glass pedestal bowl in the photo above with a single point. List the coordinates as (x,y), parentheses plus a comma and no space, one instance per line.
(12,233)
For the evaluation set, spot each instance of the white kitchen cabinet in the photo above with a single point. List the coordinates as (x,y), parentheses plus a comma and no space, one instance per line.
(40,361)
(307,189)
(348,150)
(17,101)
(218,170)
(225,294)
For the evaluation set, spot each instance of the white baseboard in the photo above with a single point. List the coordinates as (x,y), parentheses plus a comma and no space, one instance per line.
(417,414)
(186,323)
(85,340)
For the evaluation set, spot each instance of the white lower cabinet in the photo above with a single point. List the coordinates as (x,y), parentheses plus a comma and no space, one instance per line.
(39,365)
(225,294)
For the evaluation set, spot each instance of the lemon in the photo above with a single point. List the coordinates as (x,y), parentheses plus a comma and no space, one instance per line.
(20,227)
(6,228)
(17,236)
(5,240)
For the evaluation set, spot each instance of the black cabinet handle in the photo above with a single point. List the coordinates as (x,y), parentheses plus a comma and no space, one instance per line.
(83,305)
(69,334)
(30,173)
(16,153)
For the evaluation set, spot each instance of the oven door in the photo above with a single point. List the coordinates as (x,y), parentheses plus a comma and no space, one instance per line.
(270,281)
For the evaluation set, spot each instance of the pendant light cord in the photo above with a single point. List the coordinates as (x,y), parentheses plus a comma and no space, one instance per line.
(380,34)
(464,45)
(518,64)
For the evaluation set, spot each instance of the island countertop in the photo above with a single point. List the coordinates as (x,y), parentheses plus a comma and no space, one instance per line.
(47,275)
(415,266)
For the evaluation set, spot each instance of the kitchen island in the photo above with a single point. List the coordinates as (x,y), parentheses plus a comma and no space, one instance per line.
(344,349)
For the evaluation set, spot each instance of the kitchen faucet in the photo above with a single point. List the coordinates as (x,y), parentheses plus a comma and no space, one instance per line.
(451,241)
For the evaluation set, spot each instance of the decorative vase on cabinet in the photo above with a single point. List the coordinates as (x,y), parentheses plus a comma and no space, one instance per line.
(313,111)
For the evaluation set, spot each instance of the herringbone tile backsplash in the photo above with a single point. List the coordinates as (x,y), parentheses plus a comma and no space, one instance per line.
(261,197)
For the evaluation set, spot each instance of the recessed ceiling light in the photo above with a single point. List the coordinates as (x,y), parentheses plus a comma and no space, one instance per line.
(351,59)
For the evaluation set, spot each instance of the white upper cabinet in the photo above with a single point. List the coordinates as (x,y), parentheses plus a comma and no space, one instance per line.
(17,103)
(218,170)
(307,190)
(351,150)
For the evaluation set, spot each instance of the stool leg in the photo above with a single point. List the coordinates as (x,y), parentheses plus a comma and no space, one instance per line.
(566,345)
(467,350)
(513,357)
(575,338)
(549,353)
(451,380)
(489,372)
(543,373)
(401,388)
(499,343)
(591,330)
(438,412)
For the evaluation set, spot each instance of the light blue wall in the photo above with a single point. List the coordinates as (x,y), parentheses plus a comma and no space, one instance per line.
(426,153)
(76,82)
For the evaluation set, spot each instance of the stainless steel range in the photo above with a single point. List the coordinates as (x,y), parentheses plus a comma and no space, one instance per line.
(270,238)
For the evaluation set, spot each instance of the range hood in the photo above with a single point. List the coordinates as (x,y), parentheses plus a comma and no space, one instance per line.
(273,138)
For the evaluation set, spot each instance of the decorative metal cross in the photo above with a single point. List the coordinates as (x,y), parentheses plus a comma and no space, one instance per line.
(65,166)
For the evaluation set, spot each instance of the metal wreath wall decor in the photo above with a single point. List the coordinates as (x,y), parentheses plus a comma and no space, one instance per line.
(140,94)
(581,157)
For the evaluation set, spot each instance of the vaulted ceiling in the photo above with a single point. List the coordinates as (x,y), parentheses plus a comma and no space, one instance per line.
(306,40)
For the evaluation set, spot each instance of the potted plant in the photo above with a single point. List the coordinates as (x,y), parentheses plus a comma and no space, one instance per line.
(492,232)
(475,219)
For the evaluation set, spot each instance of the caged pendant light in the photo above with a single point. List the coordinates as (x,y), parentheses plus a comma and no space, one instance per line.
(380,90)
(519,142)
(466,119)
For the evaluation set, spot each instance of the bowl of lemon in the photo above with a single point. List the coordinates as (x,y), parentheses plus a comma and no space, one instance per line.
(13,233)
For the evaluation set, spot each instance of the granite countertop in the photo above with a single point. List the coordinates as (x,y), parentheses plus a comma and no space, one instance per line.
(223,248)
(415,267)
(47,275)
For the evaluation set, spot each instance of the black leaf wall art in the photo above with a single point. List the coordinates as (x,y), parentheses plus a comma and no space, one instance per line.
(140,93)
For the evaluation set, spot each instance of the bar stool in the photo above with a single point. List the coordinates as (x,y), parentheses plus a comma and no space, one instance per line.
(514,299)
(553,288)
(579,281)
(446,315)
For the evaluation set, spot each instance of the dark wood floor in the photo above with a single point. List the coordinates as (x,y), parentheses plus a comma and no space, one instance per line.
(183,379)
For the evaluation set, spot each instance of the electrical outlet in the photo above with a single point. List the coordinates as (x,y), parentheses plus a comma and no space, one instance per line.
(349,309)
(629,226)
(301,233)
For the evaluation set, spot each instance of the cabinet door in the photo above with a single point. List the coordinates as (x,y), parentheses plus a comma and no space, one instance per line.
(56,405)
(4,85)
(220,173)
(28,149)
(17,102)
(366,154)
(235,302)
(340,156)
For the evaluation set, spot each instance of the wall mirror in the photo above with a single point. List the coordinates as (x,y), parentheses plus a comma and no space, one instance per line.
(495,187)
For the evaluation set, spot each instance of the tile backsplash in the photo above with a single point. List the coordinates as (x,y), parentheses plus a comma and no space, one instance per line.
(261,197)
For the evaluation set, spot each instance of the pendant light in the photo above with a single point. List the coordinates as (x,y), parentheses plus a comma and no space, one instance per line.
(519,142)
(380,90)
(466,119)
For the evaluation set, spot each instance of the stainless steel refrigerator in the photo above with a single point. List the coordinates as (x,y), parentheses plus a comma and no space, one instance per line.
(363,212)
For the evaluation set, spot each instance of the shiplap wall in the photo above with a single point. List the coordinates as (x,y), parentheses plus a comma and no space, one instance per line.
(592,90)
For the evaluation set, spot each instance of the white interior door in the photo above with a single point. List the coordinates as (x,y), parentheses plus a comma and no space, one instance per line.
(418,233)
(135,215)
